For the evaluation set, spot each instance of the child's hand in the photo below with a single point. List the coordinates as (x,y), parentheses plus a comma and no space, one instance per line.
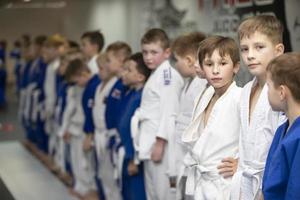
(66,136)
(158,150)
(228,167)
(88,142)
(261,196)
(132,168)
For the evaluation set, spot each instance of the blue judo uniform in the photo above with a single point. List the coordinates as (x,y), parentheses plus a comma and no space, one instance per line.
(133,187)
(2,55)
(282,172)
(25,80)
(113,106)
(88,98)
(3,76)
(40,76)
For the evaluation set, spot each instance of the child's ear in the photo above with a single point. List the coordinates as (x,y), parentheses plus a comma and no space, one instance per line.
(141,78)
(283,92)
(279,48)
(190,61)
(236,68)
(167,52)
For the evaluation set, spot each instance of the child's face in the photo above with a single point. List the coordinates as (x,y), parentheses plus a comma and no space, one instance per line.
(36,50)
(114,63)
(50,53)
(154,54)
(81,79)
(219,71)
(104,73)
(257,51)
(185,65)
(87,47)
(130,75)
(63,65)
(275,99)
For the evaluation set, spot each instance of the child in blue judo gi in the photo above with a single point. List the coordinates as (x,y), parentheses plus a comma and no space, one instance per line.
(282,176)
(134,77)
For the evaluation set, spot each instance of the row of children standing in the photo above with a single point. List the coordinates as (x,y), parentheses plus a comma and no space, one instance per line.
(134,127)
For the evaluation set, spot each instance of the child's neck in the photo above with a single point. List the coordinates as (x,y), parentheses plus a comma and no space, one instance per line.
(192,76)
(220,91)
(91,56)
(138,86)
(292,111)
(88,76)
(261,80)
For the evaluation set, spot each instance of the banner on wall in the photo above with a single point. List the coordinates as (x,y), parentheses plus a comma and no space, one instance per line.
(229,13)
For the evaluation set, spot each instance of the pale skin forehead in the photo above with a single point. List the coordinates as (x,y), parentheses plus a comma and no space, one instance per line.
(256,37)
(152,45)
(216,52)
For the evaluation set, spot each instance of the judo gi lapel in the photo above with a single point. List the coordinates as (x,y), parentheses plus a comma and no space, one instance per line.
(191,134)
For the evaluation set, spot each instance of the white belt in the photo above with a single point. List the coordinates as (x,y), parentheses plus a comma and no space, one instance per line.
(196,173)
(248,179)
(134,128)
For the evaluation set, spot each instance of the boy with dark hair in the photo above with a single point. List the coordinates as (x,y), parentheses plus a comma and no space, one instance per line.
(217,117)
(134,76)
(92,43)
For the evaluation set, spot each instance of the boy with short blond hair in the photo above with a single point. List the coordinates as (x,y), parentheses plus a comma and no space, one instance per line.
(54,47)
(260,40)
(154,121)
(281,177)
(115,56)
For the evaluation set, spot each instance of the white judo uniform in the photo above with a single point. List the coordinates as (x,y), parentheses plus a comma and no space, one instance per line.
(81,161)
(193,87)
(50,98)
(156,118)
(60,129)
(255,140)
(208,145)
(92,65)
(105,170)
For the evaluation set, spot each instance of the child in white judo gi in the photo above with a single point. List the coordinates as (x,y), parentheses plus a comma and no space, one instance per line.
(260,40)
(154,121)
(92,43)
(213,134)
(54,47)
(78,73)
(185,49)
(107,82)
